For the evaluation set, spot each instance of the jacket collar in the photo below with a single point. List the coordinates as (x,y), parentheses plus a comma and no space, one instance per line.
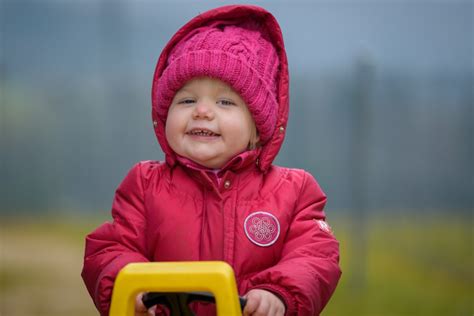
(214,177)
(235,164)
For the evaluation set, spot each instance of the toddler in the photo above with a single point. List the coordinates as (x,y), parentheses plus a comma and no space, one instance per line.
(220,109)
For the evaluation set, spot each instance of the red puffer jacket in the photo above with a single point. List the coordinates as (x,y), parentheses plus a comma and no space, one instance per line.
(266,221)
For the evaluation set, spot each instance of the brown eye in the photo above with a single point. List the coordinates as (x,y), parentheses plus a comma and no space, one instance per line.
(226,102)
(186,101)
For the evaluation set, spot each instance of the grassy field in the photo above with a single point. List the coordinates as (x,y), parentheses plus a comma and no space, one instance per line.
(410,267)
(407,267)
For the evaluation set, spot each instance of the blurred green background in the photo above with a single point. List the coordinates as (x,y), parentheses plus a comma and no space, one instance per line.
(381,114)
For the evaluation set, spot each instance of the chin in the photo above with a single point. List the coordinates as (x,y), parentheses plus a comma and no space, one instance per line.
(210,165)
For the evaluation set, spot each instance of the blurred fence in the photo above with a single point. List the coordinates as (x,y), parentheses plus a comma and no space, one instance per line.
(393,125)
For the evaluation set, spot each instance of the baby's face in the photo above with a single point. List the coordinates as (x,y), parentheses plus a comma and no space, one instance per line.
(209,123)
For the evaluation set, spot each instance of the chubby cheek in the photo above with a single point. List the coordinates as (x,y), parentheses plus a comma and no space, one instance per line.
(239,127)
(239,139)
(172,132)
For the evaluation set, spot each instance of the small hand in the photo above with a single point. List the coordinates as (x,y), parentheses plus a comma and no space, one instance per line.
(140,309)
(263,303)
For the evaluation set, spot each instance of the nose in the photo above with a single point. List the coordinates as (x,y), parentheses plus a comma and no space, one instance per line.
(203,110)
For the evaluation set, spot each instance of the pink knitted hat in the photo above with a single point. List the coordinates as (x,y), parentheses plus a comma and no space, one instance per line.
(238,53)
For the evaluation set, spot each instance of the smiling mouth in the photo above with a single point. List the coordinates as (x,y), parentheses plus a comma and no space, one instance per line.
(202,132)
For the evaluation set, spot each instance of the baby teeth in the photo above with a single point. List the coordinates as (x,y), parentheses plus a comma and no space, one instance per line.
(202,133)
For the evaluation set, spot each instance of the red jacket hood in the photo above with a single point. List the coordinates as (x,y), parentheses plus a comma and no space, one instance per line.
(232,12)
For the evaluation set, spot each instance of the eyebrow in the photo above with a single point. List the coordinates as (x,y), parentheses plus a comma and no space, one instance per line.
(183,89)
(220,90)
(226,88)
(229,88)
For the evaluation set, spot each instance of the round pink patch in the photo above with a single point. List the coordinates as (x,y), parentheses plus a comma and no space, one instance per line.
(262,228)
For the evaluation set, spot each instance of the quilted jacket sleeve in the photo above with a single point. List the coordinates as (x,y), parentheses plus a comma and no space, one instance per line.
(308,272)
(113,245)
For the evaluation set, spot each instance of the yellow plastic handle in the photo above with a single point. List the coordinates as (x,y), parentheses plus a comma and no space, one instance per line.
(216,277)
